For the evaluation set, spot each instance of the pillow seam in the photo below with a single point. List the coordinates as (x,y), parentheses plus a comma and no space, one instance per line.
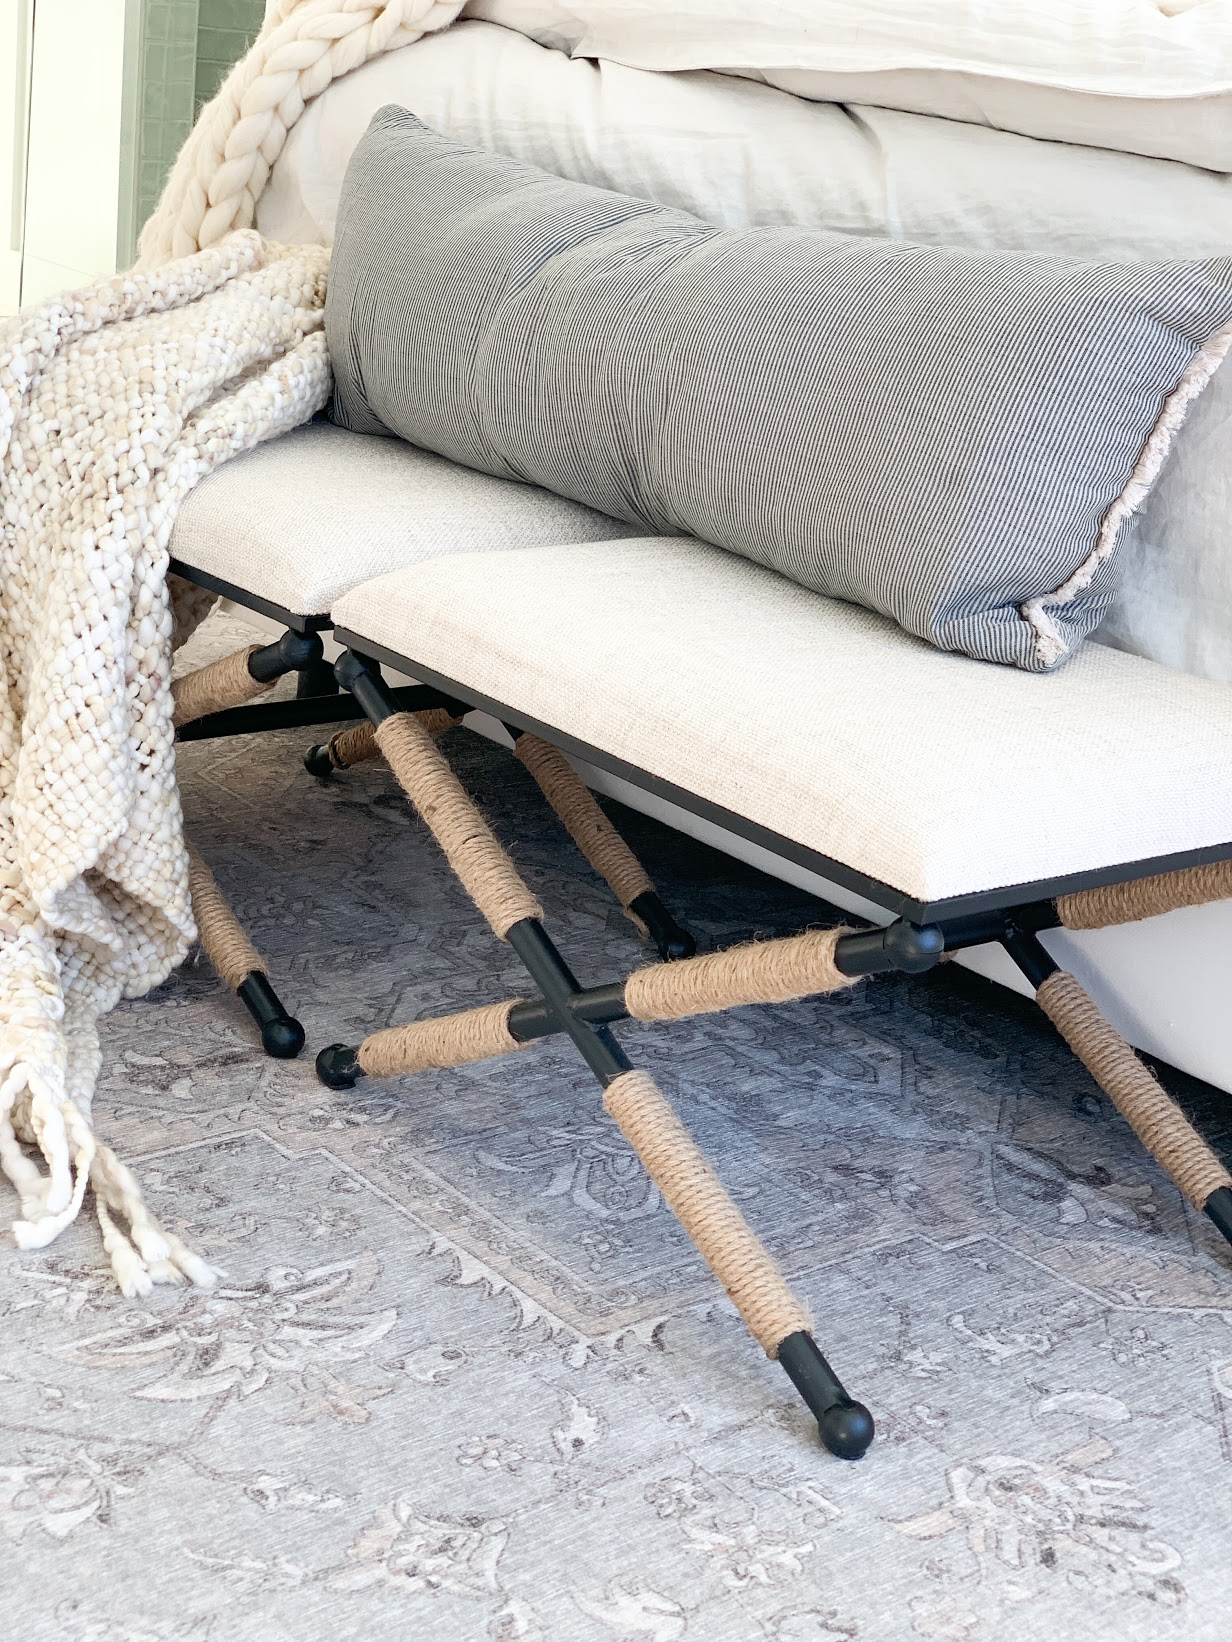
(1049,642)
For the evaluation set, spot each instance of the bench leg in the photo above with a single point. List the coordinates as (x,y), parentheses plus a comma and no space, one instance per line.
(689,1186)
(357,743)
(242,676)
(239,964)
(1142,1101)
(232,682)
(578,811)
(316,679)
(576,808)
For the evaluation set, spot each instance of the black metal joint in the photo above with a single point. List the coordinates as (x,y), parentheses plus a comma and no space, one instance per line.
(912,948)
(290,654)
(363,679)
(596,1005)
(559,987)
(282,1036)
(845,1426)
(317,679)
(1028,952)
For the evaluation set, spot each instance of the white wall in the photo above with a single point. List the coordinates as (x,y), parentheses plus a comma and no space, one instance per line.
(15,18)
(76,151)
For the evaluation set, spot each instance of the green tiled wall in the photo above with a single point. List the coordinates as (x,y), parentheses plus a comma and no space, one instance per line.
(224,30)
(167,82)
(178,54)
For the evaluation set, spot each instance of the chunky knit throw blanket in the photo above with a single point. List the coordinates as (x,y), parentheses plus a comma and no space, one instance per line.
(114,401)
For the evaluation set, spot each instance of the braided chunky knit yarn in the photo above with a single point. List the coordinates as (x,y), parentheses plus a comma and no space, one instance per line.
(304,45)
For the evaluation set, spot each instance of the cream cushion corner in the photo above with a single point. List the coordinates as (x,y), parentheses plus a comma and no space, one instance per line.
(935,774)
(298,521)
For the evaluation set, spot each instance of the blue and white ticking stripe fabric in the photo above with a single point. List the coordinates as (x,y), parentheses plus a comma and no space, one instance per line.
(950,438)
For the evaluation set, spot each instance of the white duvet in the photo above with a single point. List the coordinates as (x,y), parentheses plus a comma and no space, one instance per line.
(1142,76)
(736,152)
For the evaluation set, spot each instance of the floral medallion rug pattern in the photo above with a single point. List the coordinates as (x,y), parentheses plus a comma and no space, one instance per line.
(464,1377)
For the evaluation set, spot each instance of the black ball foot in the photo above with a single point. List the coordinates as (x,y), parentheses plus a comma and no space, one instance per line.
(847,1430)
(672,939)
(318,762)
(845,1426)
(679,945)
(338,1066)
(281,1035)
(282,1038)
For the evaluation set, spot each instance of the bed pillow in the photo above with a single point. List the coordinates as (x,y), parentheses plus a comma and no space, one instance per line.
(1147,76)
(772,159)
(954,439)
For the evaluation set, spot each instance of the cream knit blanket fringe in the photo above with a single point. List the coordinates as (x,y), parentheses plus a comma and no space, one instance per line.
(114,401)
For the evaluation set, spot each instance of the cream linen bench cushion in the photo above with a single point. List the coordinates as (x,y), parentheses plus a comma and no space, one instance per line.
(290,526)
(924,777)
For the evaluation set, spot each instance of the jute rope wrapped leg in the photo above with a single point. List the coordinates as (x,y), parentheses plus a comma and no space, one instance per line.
(231,682)
(583,820)
(698,1199)
(780,971)
(486,872)
(357,743)
(448,1040)
(575,805)
(224,683)
(579,813)
(1153,1115)
(354,745)
(222,936)
(1145,897)
(239,964)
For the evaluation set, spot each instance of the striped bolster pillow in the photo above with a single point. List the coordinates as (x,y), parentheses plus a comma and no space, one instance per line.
(956,439)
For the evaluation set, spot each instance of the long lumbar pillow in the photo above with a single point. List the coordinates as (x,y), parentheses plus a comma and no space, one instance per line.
(954,439)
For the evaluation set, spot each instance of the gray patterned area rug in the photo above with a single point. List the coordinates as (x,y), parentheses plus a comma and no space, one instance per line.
(466,1379)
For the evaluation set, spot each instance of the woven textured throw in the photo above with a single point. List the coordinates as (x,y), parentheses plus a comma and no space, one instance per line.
(114,401)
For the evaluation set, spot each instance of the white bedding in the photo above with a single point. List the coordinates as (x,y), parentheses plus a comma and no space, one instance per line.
(1143,76)
(735,152)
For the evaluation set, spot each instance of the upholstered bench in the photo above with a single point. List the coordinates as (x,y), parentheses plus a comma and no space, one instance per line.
(285,530)
(291,526)
(933,784)
(974,803)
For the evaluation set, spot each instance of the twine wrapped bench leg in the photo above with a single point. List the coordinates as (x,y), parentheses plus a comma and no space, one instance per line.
(357,744)
(239,964)
(575,805)
(774,1317)
(688,1184)
(429,1046)
(1145,897)
(779,971)
(1140,1098)
(579,813)
(241,677)
(233,681)
(212,689)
